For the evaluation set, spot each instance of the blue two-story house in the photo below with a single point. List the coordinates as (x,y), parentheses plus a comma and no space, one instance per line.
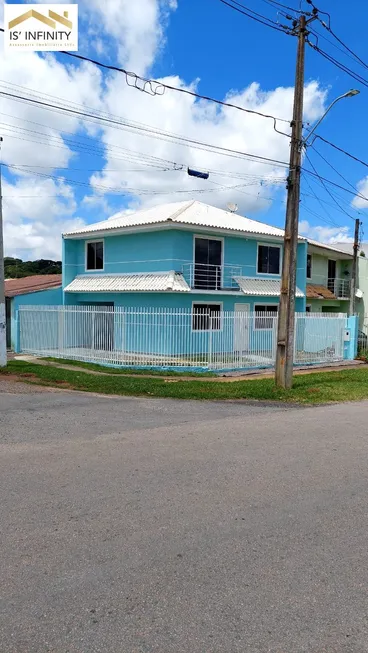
(179,255)
(202,265)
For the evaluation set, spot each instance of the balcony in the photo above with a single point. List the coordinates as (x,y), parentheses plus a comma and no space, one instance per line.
(211,277)
(339,287)
(321,287)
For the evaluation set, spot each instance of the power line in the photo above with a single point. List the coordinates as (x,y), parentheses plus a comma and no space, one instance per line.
(328,27)
(245,12)
(340,149)
(151,132)
(316,215)
(162,85)
(339,65)
(320,203)
(328,181)
(280,4)
(327,189)
(334,169)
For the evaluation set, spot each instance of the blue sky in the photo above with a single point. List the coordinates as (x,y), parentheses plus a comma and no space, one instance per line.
(64,164)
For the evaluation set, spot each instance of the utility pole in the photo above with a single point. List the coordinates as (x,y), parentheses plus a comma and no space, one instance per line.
(353,284)
(2,285)
(286,321)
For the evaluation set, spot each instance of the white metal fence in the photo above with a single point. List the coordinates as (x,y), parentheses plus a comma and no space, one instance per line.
(201,338)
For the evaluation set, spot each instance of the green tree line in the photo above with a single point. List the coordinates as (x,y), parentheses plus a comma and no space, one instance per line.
(15,268)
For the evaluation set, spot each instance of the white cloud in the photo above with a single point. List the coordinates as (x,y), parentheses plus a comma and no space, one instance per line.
(327,235)
(201,121)
(362,188)
(34,224)
(135,28)
(35,214)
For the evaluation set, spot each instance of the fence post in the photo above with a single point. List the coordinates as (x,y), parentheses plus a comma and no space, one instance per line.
(210,343)
(17,343)
(60,329)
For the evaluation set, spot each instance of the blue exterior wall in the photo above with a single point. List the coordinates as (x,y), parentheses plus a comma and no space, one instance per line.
(170,249)
(175,334)
(50,297)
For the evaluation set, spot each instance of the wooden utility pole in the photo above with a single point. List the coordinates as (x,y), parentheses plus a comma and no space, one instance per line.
(354,271)
(286,321)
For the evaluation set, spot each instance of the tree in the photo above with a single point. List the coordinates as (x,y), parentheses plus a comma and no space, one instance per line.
(15,268)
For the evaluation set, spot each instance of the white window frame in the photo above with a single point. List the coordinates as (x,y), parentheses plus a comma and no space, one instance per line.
(209,237)
(197,303)
(310,308)
(255,317)
(269,274)
(90,242)
(311,267)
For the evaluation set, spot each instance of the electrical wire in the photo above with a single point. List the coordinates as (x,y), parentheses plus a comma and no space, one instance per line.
(164,86)
(182,140)
(334,169)
(340,149)
(328,27)
(320,203)
(245,12)
(327,189)
(338,64)
(280,4)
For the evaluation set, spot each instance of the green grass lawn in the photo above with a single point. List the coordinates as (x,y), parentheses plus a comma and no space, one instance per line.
(347,385)
(126,370)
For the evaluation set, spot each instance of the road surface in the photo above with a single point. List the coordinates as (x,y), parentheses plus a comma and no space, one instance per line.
(139,526)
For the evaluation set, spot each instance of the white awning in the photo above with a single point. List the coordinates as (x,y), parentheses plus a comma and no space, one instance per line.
(144,282)
(262,287)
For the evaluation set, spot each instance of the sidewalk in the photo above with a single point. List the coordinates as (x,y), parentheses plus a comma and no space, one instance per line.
(223,377)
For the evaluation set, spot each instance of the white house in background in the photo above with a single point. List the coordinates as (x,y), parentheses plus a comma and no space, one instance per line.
(362,282)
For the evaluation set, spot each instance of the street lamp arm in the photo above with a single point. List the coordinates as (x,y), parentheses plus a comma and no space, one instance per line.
(341,97)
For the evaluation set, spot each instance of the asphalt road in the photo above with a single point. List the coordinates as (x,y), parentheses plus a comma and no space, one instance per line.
(139,526)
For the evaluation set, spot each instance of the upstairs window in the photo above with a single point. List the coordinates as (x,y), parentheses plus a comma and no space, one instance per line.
(95,255)
(309,266)
(268,259)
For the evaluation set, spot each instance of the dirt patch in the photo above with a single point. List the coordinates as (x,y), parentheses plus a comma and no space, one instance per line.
(27,375)
(61,384)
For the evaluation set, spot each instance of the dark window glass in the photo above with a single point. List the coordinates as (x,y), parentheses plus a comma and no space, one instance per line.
(99,255)
(206,316)
(309,266)
(264,316)
(95,256)
(268,260)
(207,263)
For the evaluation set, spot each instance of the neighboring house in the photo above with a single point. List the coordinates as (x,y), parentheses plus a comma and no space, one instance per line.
(361,301)
(40,289)
(185,255)
(328,275)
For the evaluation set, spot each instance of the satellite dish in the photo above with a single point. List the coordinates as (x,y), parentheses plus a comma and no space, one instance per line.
(232,207)
(359,293)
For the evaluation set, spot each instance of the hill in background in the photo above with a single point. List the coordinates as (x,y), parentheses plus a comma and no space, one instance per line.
(15,268)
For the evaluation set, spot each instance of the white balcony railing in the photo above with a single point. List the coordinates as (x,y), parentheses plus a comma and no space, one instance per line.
(339,287)
(204,276)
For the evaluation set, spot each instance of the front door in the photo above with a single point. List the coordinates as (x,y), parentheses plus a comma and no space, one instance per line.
(331,275)
(241,327)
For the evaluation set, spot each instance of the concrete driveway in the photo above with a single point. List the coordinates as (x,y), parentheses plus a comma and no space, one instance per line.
(138,526)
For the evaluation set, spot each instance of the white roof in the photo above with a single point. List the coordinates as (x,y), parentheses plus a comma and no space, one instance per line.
(341,248)
(265,287)
(185,213)
(152,281)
